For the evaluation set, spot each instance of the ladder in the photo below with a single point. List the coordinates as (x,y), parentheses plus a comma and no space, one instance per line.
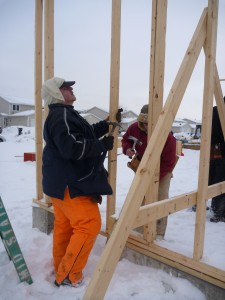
(12,247)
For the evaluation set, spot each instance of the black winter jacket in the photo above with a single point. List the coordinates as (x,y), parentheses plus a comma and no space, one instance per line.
(217,133)
(73,156)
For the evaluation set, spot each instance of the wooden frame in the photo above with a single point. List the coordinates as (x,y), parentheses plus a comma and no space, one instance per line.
(48,73)
(133,214)
(38,100)
(114,104)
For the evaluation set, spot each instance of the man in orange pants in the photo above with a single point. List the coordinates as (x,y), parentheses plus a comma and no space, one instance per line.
(74,178)
(74,234)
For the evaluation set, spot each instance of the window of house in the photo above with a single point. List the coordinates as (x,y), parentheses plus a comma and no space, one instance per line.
(16,107)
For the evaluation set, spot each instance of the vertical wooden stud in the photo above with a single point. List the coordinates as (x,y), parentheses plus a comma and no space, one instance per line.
(210,51)
(38,98)
(49,39)
(156,87)
(48,50)
(114,103)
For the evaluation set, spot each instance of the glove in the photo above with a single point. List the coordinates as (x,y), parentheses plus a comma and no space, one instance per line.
(118,115)
(108,142)
(130,152)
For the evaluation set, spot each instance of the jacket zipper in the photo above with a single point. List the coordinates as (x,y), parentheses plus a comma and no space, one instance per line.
(88,175)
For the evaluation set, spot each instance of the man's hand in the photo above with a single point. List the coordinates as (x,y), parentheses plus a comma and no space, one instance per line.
(108,142)
(130,152)
(118,116)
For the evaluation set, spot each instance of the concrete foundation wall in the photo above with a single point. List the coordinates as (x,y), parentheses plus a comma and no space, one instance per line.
(211,291)
(42,219)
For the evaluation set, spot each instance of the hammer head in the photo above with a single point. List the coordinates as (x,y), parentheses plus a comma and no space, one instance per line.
(114,124)
(135,140)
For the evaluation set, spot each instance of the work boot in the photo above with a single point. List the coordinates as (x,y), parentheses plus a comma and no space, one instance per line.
(66,281)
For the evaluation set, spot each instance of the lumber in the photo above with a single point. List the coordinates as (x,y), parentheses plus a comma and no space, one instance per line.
(37,96)
(156,84)
(114,104)
(210,50)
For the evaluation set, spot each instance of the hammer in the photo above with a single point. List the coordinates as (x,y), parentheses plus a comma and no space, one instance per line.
(136,141)
(114,125)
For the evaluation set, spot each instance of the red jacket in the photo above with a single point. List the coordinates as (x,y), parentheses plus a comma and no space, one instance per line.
(168,155)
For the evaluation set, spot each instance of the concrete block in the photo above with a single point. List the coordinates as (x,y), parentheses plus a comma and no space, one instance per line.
(210,291)
(42,219)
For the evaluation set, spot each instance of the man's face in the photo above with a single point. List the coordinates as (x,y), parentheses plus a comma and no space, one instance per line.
(68,95)
(145,125)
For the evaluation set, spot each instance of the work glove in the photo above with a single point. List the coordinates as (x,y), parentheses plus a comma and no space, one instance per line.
(118,115)
(130,152)
(108,142)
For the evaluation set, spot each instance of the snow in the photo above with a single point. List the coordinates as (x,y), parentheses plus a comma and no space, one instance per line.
(130,281)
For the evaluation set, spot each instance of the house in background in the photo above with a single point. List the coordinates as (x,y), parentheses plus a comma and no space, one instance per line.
(129,114)
(90,118)
(96,114)
(195,124)
(12,105)
(16,112)
(128,118)
(180,126)
(101,114)
(23,118)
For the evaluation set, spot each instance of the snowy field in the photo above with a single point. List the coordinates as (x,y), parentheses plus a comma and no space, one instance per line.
(130,281)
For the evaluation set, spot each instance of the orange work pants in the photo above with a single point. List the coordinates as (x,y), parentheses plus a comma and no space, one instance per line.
(76,226)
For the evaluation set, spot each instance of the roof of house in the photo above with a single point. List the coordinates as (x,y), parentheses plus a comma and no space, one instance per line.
(16,100)
(95,107)
(86,115)
(193,121)
(23,113)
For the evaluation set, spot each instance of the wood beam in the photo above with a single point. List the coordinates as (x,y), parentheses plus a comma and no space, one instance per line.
(114,104)
(210,45)
(181,262)
(37,96)
(157,210)
(49,39)
(48,51)
(156,89)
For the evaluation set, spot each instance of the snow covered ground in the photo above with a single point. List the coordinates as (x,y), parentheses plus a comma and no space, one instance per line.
(130,281)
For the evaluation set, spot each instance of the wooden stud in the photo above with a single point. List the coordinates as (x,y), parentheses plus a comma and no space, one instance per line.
(49,39)
(156,85)
(44,205)
(210,51)
(48,50)
(114,104)
(37,96)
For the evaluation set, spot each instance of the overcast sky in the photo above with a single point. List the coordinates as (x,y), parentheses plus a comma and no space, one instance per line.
(82,50)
